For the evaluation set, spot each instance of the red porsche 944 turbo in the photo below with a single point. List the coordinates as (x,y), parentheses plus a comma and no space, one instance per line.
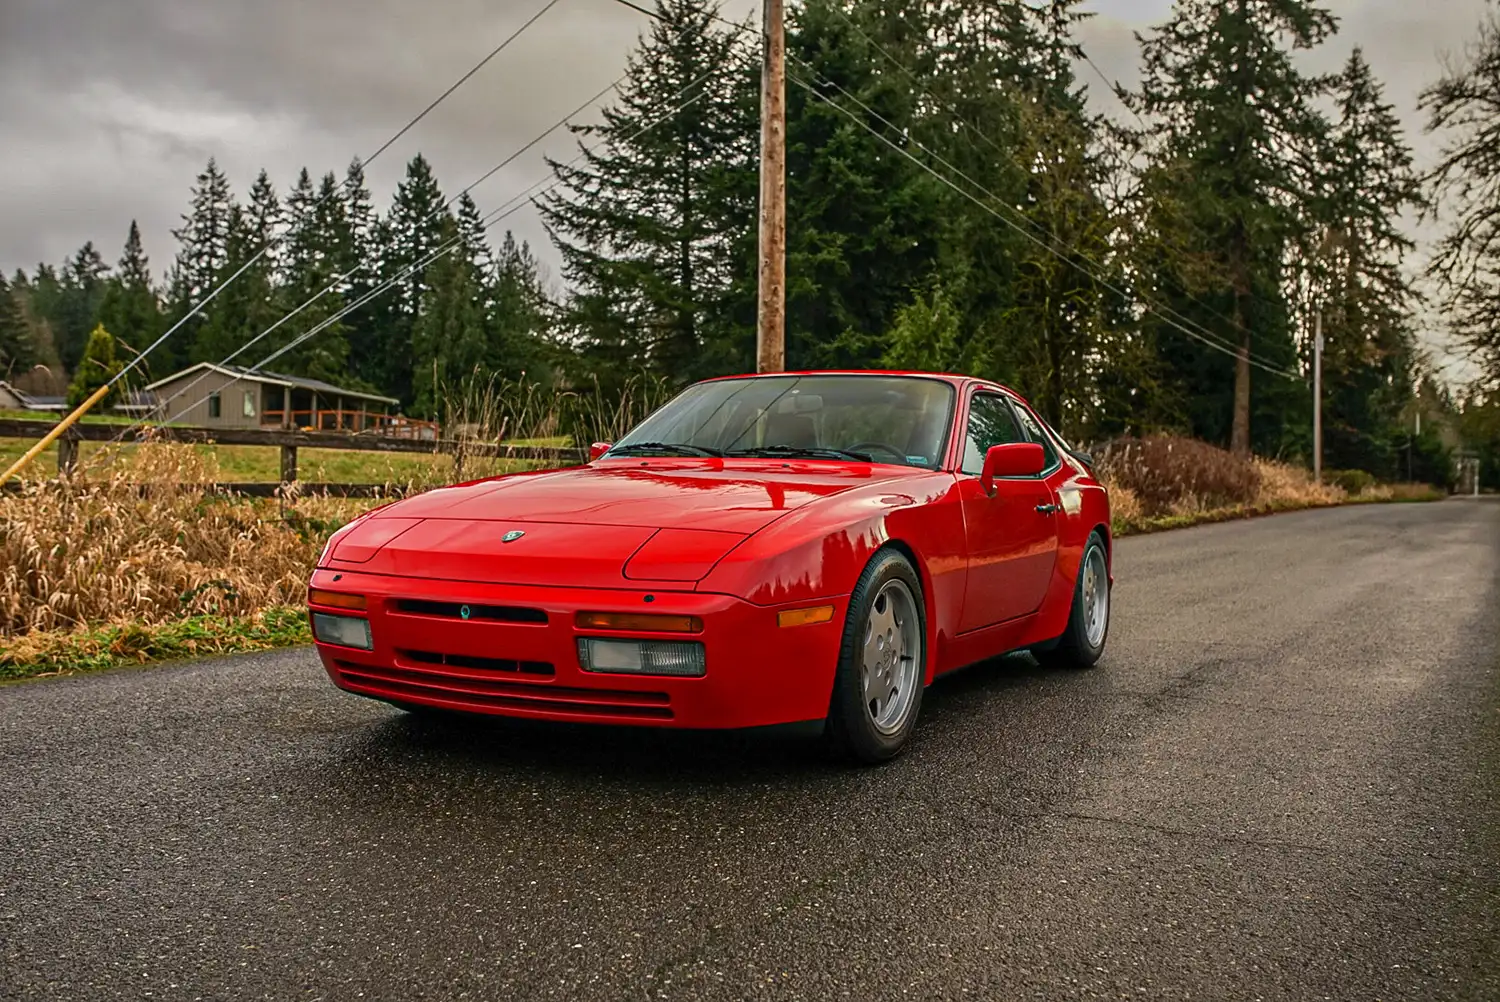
(798,548)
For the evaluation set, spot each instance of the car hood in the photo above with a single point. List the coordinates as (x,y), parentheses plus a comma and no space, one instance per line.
(611,524)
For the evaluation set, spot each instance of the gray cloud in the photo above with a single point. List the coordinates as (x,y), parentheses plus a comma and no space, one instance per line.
(112,106)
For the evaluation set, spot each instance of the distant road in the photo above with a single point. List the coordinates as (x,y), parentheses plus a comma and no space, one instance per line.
(1282,783)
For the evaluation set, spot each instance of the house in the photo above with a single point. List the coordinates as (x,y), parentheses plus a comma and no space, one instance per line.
(13,399)
(229,396)
(136,404)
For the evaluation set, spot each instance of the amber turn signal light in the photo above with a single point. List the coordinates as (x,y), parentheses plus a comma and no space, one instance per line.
(805,617)
(636,622)
(335,599)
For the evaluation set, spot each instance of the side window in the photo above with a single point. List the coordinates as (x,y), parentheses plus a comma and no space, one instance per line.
(213,405)
(1033,426)
(991,423)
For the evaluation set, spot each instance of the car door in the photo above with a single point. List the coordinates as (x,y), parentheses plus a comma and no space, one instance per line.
(1012,534)
(1057,473)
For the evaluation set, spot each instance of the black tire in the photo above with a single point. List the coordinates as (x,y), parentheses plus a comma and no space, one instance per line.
(1073,649)
(851,731)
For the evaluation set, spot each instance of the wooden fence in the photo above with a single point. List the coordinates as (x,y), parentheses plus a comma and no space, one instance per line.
(288,442)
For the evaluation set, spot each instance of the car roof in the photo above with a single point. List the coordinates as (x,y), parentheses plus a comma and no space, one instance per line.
(948,377)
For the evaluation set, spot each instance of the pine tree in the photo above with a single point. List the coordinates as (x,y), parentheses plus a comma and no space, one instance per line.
(17,352)
(358,259)
(250,304)
(38,298)
(470,230)
(200,263)
(317,243)
(1464,107)
(1052,339)
(409,236)
(1366,184)
(865,225)
(640,222)
(130,307)
(80,295)
(519,333)
(262,232)
(449,338)
(1235,124)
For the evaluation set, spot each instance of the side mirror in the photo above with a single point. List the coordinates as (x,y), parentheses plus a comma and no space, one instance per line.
(1017,459)
(598,449)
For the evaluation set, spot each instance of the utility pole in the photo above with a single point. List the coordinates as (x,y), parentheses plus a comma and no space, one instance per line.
(770,336)
(1318,400)
(1411,440)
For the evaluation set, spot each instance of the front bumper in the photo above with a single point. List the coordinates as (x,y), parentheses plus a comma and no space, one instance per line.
(758,673)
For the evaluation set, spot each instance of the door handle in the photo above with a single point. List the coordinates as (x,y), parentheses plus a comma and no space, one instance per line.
(1046,509)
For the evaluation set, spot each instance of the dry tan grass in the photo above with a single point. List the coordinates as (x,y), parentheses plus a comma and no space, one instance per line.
(145,541)
(1124,505)
(149,543)
(1401,492)
(1292,486)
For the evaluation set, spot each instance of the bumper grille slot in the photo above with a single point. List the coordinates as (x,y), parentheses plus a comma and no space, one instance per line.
(484,613)
(479,693)
(540,669)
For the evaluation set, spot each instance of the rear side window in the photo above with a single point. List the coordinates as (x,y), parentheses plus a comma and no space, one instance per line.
(1034,433)
(991,423)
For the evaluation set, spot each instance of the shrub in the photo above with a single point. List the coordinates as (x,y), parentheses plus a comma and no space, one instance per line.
(1352,482)
(98,367)
(1169,475)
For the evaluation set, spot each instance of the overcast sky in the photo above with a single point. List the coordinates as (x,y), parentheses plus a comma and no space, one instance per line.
(111,107)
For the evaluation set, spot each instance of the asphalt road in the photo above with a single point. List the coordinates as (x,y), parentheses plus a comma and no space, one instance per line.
(1282,783)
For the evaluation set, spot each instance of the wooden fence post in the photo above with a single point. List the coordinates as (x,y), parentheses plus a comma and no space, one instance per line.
(67,453)
(288,464)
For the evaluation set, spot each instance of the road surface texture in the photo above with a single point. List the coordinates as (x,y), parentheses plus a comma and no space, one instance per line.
(1281,784)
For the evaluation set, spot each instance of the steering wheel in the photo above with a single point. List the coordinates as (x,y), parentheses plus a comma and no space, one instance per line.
(882,447)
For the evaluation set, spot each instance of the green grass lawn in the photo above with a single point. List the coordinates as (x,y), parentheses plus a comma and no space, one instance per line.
(54,418)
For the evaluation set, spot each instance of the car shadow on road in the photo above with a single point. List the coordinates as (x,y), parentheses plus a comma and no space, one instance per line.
(998,689)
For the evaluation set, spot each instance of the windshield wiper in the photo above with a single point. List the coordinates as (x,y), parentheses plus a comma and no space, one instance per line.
(663,449)
(810,452)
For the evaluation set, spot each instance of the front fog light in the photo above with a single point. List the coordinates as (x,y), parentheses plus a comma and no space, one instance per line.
(641,657)
(345,631)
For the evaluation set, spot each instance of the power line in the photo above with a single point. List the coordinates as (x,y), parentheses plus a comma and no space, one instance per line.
(195,310)
(465,78)
(512,206)
(1203,335)
(1010,155)
(639,9)
(1112,86)
(340,279)
(985,206)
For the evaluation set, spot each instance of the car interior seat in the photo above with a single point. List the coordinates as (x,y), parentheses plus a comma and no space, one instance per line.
(796,430)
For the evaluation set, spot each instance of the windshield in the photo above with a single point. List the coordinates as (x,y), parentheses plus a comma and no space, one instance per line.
(885,419)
